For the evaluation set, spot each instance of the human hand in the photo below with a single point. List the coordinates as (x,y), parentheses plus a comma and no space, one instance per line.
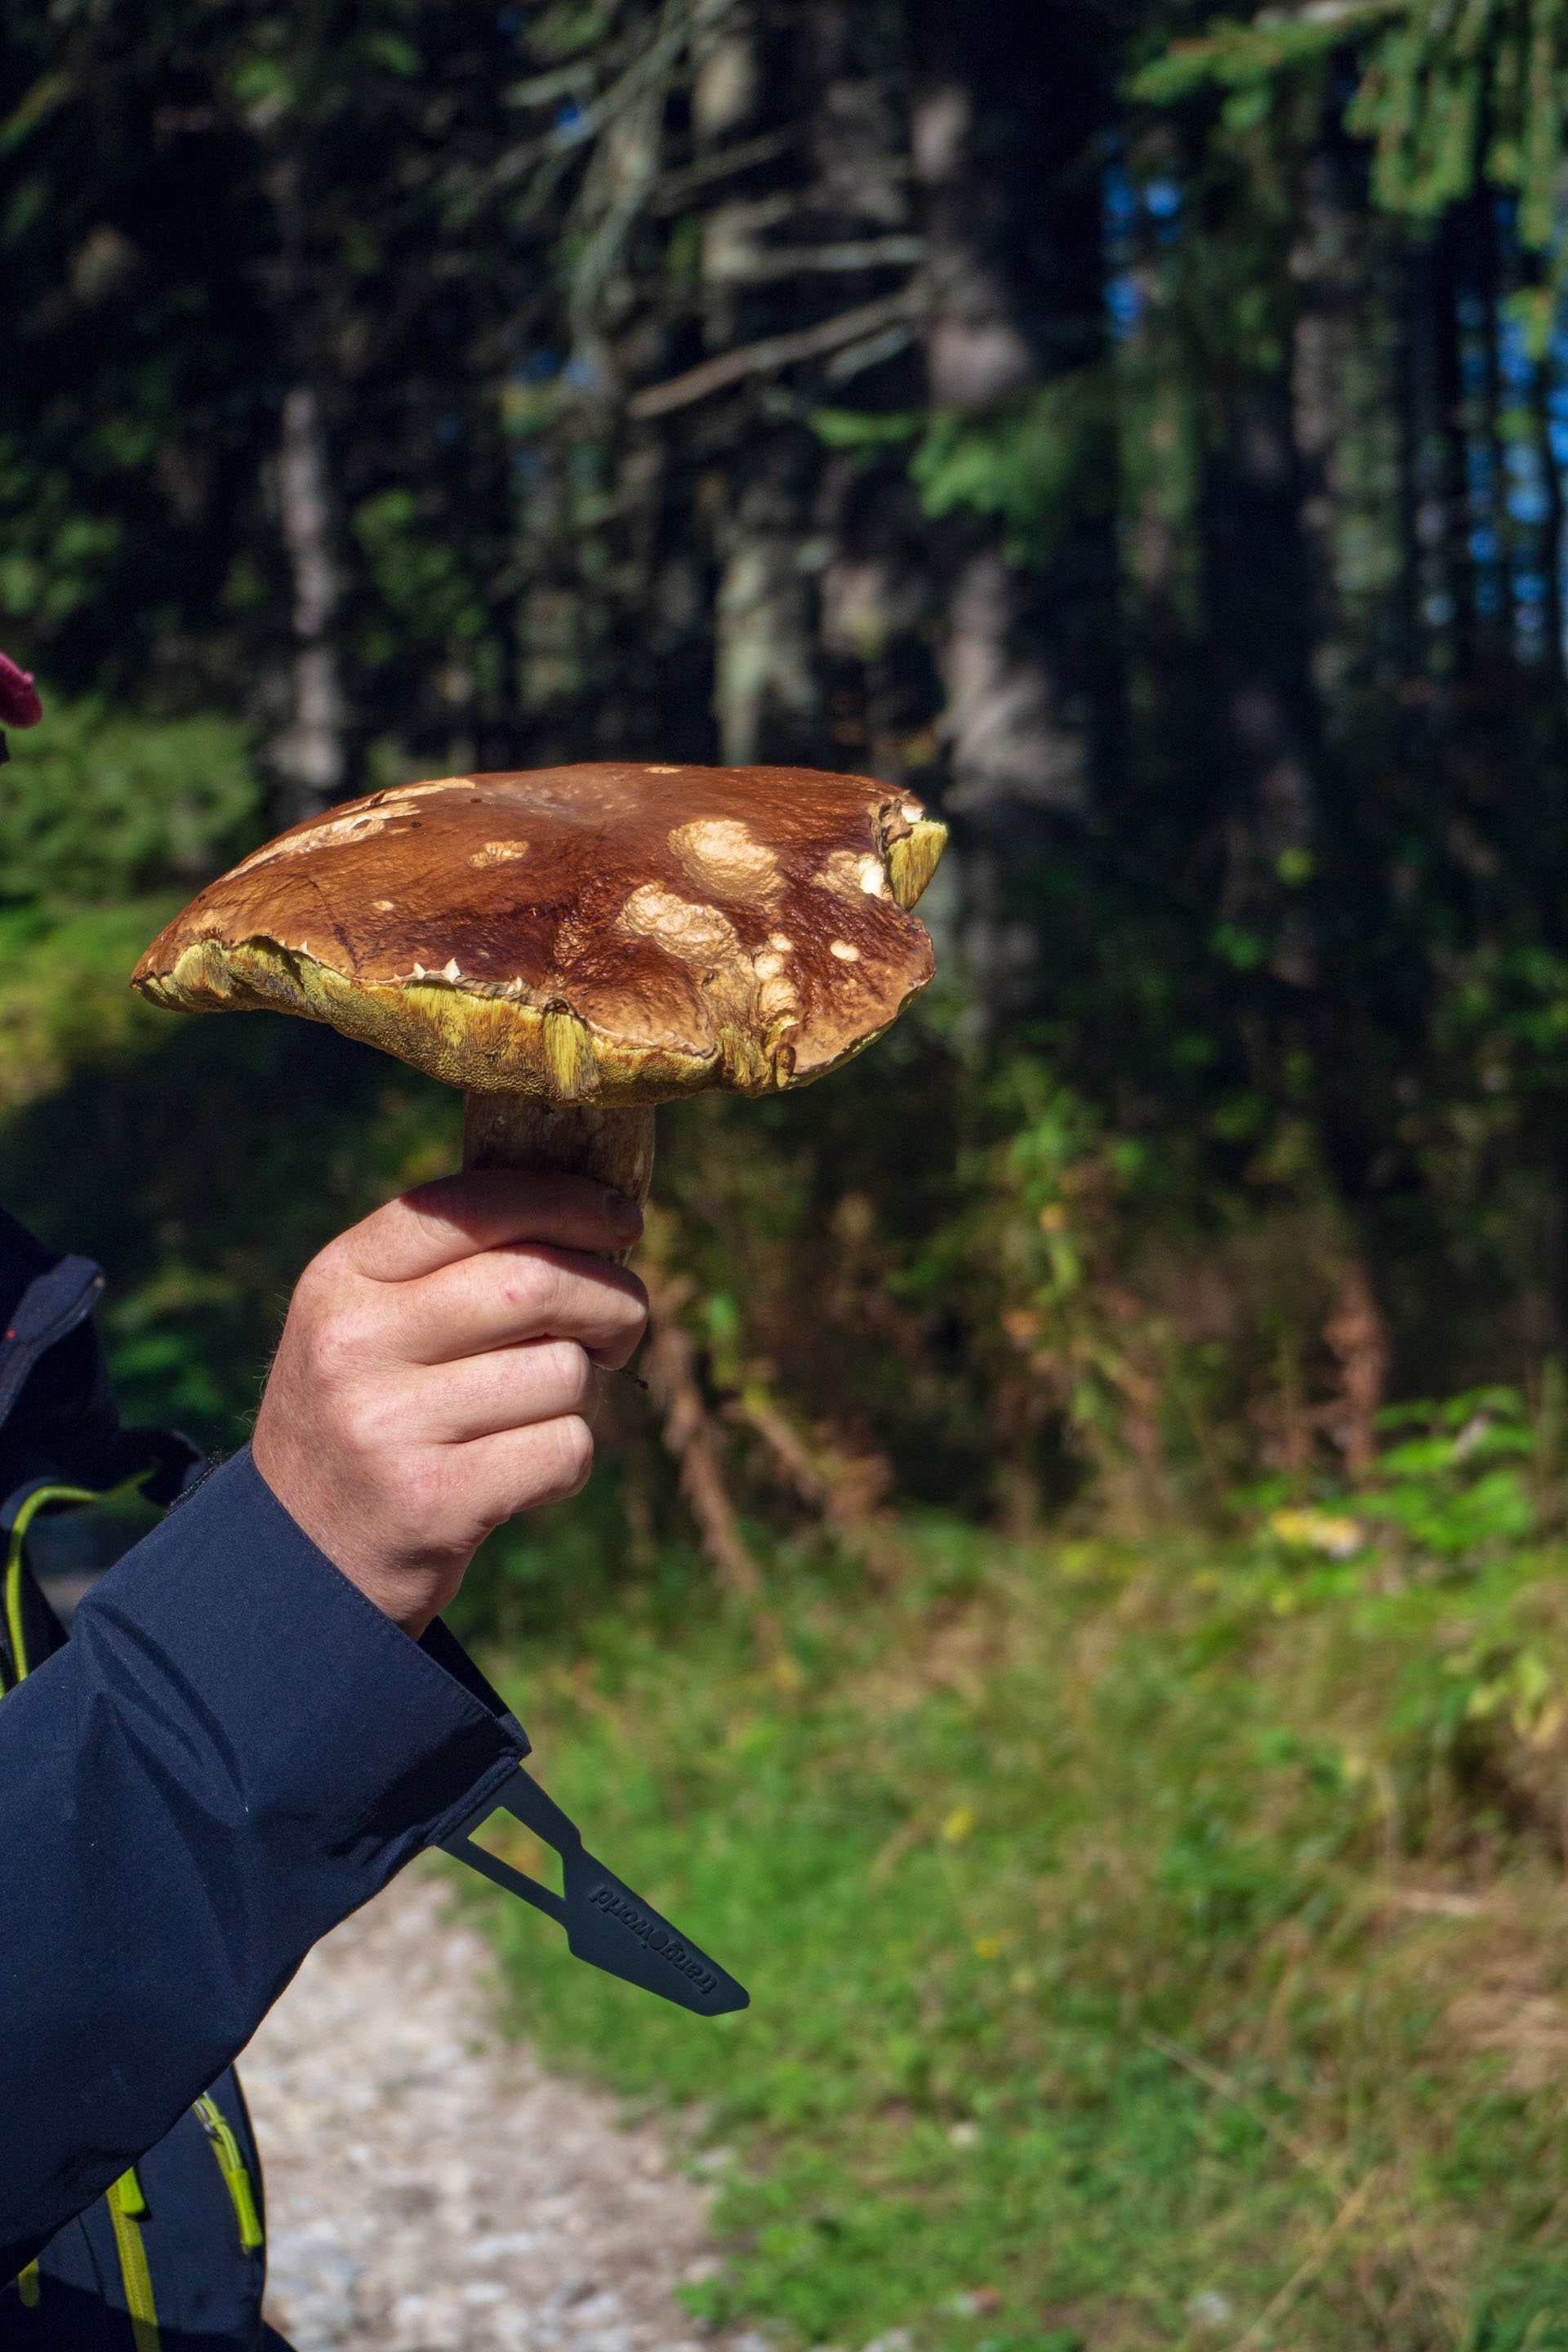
(435,1374)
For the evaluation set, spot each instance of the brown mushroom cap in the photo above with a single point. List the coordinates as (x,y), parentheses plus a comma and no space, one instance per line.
(607,933)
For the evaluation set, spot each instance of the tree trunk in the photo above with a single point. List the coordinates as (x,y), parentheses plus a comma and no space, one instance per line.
(313,754)
(1008,253)
(1550,533)
(1259,611)
(765,696)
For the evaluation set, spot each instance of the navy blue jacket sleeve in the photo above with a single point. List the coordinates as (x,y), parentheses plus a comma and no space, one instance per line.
(235,1750)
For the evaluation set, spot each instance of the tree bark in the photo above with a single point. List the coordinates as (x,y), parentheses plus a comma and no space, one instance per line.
(1007,255)
(313,752)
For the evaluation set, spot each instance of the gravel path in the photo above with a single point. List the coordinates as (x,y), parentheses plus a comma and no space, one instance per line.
(432,2189)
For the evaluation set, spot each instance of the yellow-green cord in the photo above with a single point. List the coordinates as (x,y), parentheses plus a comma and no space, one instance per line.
(15,1553)
(125,2201)
(231,2164)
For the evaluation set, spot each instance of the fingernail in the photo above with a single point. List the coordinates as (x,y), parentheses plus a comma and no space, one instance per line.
(623,1216)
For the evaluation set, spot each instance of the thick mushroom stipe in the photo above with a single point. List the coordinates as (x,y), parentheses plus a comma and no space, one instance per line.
(612,1147)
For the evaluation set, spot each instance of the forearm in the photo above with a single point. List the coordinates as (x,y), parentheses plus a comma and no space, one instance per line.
(235,1751)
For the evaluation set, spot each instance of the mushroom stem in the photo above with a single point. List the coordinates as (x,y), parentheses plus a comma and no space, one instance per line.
(614,1147)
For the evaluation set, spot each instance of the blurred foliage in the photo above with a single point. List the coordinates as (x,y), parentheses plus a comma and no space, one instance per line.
(64,1004)
(1454,1485)
(98,814)
(96,808)
(1447,97)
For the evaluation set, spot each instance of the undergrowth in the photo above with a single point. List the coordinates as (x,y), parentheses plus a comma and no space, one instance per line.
(1150,1944)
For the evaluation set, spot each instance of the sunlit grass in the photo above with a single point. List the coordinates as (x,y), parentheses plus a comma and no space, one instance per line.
(1143,1941)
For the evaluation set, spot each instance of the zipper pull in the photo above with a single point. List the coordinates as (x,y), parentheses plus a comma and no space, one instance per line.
(232,2165)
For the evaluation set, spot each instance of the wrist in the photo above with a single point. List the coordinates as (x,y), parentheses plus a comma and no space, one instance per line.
(411,1592)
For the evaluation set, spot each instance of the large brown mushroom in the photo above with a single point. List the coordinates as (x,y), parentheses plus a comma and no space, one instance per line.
(572,946)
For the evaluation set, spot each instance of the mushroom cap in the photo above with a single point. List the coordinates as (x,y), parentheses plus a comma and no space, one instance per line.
(610,933)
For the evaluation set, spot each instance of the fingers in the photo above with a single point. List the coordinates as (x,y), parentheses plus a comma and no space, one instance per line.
(523,1468)
(511,1388)
(457,1217)
(434,1374)
(466,1490)
(516,1294)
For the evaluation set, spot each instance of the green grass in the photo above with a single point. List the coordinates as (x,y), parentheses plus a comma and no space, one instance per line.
(1127,1927)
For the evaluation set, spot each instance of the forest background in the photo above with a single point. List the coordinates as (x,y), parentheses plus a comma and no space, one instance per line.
(1084,1584)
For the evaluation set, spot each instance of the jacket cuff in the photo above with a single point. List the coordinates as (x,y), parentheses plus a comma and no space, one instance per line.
(337,1741)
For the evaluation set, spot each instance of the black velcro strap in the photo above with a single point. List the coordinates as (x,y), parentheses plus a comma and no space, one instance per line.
(607,1925)
(52,1304)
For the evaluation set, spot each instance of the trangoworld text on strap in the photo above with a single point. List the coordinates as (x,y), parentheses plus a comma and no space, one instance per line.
(607,1925)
